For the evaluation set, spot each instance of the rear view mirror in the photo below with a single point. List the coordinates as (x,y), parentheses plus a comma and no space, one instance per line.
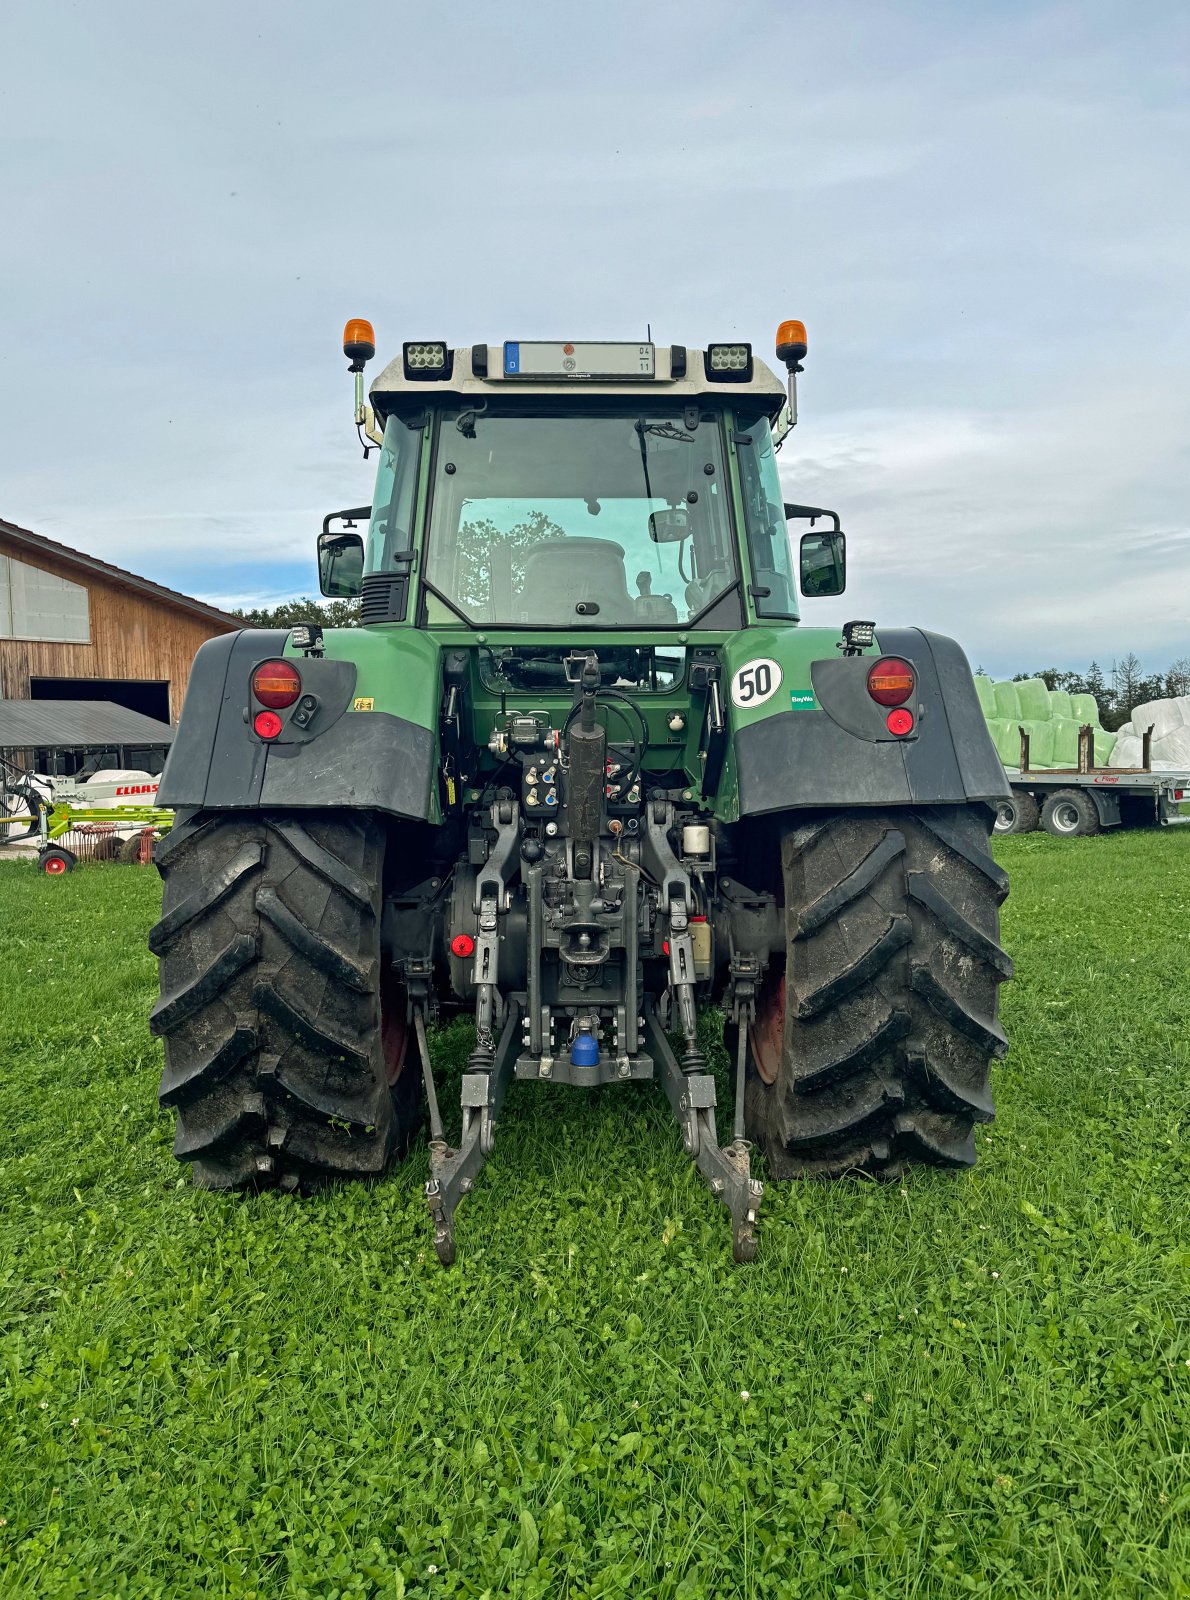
(823,563)
(669,527)
(340,564)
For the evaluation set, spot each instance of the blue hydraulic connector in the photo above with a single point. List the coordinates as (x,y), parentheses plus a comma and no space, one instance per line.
(584,1052)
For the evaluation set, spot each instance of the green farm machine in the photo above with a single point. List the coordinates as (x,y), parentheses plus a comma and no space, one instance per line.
(580,774)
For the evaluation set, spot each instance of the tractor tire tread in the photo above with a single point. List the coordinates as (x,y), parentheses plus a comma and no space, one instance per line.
(851,887)
(892,970)
(319,952)
(246,859)
(269,946)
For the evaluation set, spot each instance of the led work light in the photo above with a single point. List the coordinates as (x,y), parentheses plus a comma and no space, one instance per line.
(426,359)
(857,636)
(729,363)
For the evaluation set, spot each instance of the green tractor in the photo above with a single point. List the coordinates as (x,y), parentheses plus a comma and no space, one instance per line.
(580,774)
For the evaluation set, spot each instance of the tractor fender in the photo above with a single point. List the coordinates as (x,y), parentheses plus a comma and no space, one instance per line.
(347,756)
(833,747)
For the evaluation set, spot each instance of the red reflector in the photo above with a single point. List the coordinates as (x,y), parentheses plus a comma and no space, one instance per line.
(891,681)
(462,945)
(267,724)
(665,945)
(899,722)
(276,684)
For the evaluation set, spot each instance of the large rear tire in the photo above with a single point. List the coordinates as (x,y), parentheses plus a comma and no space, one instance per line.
(873,1043)
(286,1056)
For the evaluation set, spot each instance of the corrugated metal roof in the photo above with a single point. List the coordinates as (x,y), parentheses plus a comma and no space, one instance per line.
(76,724)
(33,542)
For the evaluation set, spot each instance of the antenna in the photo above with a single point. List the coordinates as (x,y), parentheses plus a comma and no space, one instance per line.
(649,332)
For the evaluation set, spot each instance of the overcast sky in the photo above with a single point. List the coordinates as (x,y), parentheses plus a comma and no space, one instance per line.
(981,211)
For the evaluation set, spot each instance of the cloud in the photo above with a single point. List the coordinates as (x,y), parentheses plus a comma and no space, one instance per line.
(983,213)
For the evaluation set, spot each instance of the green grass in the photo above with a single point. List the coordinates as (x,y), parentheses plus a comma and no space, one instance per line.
(946,1387)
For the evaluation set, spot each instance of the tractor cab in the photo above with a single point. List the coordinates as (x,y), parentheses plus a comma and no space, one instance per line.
(576,488)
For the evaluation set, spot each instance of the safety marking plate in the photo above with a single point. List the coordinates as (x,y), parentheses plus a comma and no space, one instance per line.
(755,682)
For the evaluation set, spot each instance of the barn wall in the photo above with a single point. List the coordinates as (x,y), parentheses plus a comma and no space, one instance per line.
(132,636)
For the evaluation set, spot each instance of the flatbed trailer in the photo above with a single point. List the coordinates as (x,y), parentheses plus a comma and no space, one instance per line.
(1071,802)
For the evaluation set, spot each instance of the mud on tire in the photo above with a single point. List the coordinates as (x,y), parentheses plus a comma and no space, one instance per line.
(872,1048)
(285,1044)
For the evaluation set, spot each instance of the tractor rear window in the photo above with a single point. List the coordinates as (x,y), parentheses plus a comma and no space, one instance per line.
(595,520)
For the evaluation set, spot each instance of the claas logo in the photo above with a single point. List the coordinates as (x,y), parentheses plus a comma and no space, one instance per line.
(136,788)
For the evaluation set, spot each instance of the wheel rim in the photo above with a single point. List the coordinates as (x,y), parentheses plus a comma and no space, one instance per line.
(1005,816)
(54,867)
(394,1025)
(766,1034)
(1066,817)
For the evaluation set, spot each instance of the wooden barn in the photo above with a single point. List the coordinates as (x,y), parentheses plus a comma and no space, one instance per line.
(74,628)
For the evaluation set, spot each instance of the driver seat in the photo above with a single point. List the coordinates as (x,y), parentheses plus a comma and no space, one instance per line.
(559,573)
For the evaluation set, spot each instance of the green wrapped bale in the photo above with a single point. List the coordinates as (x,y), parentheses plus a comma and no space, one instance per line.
(1085,708)
(1034,700)
(1105,743)
(1009,745)
(1007,702)
(986,690)
(1006,740)
(1041,741)
(1060,704)
(1065,743)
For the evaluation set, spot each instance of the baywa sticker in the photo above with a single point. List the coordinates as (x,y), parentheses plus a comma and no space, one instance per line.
(755,683)
(802,700)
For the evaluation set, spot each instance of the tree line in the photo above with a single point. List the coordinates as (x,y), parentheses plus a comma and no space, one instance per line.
(305,608)
(1118,692)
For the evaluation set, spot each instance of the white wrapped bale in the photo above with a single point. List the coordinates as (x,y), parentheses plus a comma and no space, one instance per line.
(1163,716)
(1126,752)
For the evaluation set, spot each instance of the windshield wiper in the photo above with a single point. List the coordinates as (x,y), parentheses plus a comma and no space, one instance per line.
(663,430)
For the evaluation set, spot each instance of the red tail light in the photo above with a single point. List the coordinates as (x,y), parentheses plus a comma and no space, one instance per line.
(276,684)
(891,681)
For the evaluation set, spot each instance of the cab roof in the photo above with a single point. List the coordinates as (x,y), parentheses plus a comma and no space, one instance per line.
(393,390)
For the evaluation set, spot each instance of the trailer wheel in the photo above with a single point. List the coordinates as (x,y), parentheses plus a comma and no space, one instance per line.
(56,862)
(285,1039)
(871,1049)
(1070,814)
(1020,813)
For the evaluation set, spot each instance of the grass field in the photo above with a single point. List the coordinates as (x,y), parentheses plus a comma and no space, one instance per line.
(945,1387)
